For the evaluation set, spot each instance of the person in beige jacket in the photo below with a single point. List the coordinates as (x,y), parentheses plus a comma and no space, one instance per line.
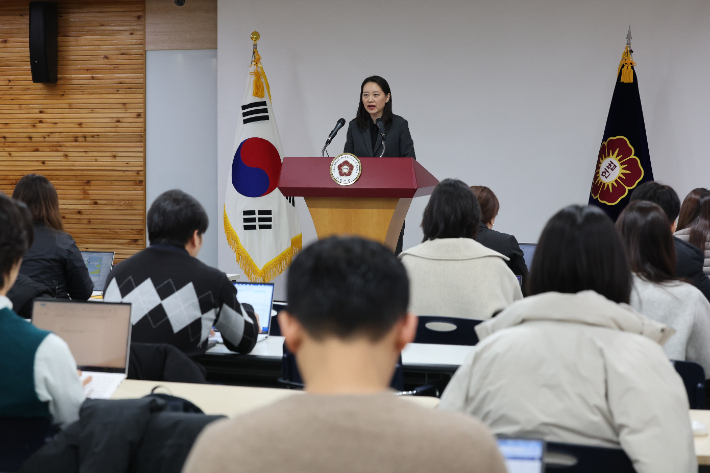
(574,363)
(451,274)
(347,322)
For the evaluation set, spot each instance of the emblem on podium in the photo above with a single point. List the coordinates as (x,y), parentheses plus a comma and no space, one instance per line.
(345,169)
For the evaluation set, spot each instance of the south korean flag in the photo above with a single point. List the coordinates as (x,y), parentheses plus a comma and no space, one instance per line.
(261,224)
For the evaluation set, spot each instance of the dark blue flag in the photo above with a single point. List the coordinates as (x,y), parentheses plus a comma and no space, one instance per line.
(623,161)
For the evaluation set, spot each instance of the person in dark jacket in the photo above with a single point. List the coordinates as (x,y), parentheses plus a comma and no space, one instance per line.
(54,259)
(689,259)
(503,243)
(176,298)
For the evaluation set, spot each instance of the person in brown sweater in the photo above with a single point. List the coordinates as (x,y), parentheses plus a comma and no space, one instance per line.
(347,323)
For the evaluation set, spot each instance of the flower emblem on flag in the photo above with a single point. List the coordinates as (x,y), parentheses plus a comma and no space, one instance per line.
(345,168)
(618,171)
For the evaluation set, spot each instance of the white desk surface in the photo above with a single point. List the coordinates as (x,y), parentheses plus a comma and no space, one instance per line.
(413,354)
(702,444)
(225,400)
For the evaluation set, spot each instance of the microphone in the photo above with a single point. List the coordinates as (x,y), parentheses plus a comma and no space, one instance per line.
(382,132)
(338,126)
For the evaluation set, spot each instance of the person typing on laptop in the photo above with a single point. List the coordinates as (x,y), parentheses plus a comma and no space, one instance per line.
(39,376)
(347,323)
(176,298)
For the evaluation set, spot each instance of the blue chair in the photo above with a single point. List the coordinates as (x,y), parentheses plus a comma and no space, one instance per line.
(586,459)
(693,376)
(20,437)
(455,331)
(291,377)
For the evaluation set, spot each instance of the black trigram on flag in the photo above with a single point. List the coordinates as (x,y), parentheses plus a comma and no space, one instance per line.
(260,219)
(291,200)
(254,112)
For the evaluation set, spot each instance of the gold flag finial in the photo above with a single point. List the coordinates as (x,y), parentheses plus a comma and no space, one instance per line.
(255,36)
(258,72)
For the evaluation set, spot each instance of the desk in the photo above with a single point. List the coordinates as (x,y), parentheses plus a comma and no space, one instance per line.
(224,400)
(702,444)
(422,363)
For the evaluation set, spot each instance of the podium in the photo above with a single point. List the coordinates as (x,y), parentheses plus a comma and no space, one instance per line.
(373,207)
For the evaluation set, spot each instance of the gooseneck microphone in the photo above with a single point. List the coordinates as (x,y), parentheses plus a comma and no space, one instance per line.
(338,126)
(382,132)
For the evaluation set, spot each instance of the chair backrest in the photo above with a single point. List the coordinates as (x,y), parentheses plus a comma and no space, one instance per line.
(20,437)
(446,330)
(693,376)
(291,377)
(275,328)
(163,362)
(585,459)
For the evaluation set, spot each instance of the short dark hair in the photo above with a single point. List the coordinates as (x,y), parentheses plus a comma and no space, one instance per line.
(173,218)
(580,250)
(41,199)
(648,240)
(16,234)
(364,121)
(452,212)
(488,202)
(661,195)
(347,287)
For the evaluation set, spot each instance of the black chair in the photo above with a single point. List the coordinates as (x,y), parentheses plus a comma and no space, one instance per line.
(570,458)
(163,362)
(275,328)
(20,437)
(693,376)
(291,377)
(446,331)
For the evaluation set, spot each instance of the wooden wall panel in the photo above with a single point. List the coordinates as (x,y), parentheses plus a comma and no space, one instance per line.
(191,26)
(87,132)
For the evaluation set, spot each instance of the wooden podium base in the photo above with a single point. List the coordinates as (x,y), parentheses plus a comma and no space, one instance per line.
(375,218)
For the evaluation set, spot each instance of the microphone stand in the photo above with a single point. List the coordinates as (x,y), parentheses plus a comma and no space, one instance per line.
(383,145)
(323,152)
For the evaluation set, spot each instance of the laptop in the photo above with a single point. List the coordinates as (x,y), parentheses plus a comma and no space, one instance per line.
(98,335)
(259,295)
(99,264)
(523,455)
(528,252)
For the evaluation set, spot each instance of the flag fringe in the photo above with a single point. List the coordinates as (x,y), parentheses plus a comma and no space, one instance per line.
(271,269)
(627,74)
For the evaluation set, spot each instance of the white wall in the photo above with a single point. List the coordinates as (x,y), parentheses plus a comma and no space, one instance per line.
(511,94)
(181,129)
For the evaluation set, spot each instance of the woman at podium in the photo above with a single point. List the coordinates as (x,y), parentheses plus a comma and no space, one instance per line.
(364,137)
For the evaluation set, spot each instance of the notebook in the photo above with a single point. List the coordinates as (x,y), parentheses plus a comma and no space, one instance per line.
(98,335)
(523,455)
(261,297)
(99,265)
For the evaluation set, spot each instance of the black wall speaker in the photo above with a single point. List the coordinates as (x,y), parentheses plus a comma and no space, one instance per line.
(43,41)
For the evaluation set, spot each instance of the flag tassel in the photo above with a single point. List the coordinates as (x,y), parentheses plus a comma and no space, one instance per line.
(271,269)
(258,90)
(626,67)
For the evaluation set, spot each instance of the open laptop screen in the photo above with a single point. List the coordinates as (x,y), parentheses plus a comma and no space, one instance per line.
(261,297)
(99,265)
(523,455)
(98,333)
(528,252)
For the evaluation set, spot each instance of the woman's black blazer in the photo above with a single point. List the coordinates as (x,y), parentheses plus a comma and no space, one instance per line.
(398,141)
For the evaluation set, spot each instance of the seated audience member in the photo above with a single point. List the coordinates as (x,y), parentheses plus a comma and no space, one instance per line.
(503,243)
(176,297)
(39,376)
(451,273)
(573,362)
(689,259)
(694,222)
(657,293)
(347,323)
(53,260)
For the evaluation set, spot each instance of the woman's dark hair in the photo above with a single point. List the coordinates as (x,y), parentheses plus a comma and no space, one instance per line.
(452,212)
(41,199)
(488,202)
(695,214)
(16,234)
(580,250)
(364,121)
(646,233)
(173,218)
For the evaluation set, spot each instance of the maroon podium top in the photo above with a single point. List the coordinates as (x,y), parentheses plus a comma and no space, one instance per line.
(379,177)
